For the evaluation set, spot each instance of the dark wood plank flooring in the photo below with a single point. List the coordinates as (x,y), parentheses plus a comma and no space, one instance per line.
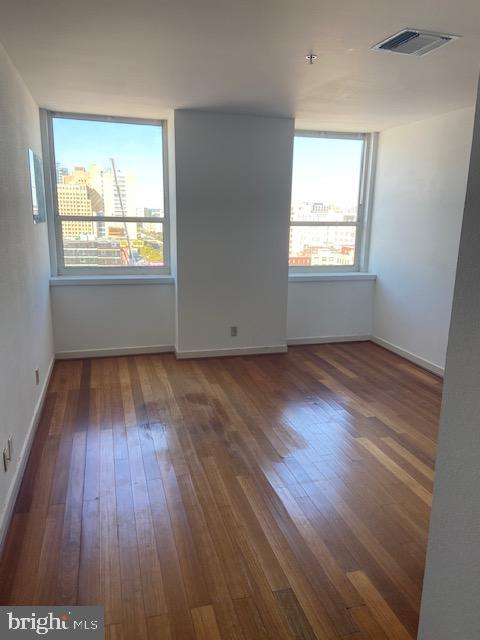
(282,496)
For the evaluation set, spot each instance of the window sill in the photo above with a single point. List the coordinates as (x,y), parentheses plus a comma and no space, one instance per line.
(67,281)
(331,277)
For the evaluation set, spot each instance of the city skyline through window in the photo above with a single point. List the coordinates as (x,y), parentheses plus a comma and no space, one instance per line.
(324,220)
(136,148)
(109,180)
(326,170)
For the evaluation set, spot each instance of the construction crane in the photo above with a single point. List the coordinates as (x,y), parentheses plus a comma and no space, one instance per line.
(119,194)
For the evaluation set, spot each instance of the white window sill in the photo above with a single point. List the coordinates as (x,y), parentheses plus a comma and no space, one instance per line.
(68,281)
(331,277)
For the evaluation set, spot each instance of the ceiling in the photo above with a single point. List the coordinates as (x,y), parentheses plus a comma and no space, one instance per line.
(143,57)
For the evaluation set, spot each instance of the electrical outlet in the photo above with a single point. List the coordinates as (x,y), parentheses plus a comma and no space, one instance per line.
(7,453)
(234,332)
(37,376)
(6,459)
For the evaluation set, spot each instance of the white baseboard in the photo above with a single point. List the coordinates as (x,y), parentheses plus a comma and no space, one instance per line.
(421,362)
(113,351)
(12,493)
(327,339)
(241,351)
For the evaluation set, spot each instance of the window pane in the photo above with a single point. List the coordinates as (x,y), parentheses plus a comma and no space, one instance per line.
(322,246)
(112,244)
(113,170)
(326,179)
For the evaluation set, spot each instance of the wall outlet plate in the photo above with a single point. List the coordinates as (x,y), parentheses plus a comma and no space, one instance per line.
(234,332)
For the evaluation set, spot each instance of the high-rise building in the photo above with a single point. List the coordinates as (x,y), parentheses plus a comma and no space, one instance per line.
(322,245)
(96,253)
(73,200)
(148,212)
(60,171)
(101,193)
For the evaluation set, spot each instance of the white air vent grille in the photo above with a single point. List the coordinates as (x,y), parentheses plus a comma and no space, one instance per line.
(414,42)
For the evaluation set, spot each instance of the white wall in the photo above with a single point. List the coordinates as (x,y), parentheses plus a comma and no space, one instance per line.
(451,594)
(233,268)
(25,323)
(233,181)
(83,326)
(117,318)
(322,310)
(144,315)
(418,205)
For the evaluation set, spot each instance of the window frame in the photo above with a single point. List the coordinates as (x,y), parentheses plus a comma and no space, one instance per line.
(58,267)
(362,222)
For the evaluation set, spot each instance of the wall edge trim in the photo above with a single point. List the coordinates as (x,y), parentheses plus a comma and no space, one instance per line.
(113,351)
(240,351)
(412,357)
(328,339)
(12,494)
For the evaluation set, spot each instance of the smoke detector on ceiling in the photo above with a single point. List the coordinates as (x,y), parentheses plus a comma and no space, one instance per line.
(414,42)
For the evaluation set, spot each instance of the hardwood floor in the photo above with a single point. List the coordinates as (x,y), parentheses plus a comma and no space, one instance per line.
(281,496)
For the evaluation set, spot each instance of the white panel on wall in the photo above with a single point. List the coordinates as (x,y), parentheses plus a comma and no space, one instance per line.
(323,310)
(233,183)
(115,318)
(25,323)
(451,592)
(418,206)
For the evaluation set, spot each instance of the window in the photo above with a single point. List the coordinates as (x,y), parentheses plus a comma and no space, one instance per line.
(108,179)
(327,213)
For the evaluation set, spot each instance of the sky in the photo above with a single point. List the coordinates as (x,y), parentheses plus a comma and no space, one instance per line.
(135,147)
(326,170)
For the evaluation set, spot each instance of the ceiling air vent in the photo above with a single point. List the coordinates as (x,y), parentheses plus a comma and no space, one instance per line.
(413,42)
